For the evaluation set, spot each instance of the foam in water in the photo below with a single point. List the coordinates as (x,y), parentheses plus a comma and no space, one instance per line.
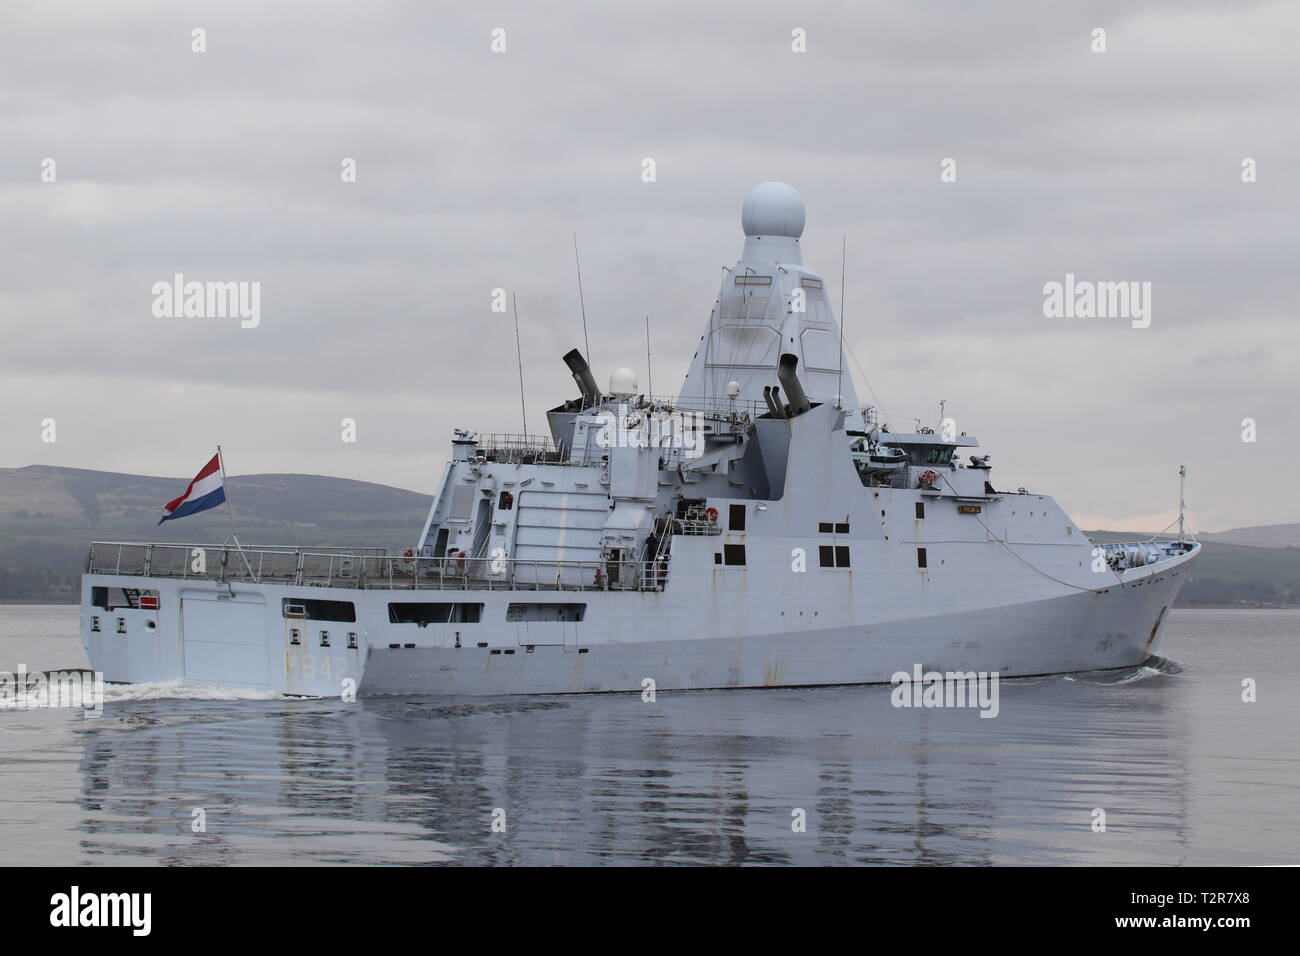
(182,690)
(1142,673)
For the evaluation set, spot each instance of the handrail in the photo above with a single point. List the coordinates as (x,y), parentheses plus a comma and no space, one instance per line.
(372,568)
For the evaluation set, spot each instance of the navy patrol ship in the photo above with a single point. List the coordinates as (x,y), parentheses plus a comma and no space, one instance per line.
(761,529)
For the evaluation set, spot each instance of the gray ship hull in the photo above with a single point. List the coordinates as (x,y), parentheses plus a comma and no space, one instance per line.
(236,636)
(1077,632)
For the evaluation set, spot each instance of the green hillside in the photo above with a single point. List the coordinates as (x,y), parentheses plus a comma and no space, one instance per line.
(49,516)
(1232,574)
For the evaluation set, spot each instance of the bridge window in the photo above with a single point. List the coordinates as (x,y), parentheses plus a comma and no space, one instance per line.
(928,454)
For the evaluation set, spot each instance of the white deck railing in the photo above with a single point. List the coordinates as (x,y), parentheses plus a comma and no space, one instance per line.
(369,568)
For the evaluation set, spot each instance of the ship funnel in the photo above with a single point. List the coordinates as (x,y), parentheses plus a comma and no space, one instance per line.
(790,381)
(772,396)
(582,375)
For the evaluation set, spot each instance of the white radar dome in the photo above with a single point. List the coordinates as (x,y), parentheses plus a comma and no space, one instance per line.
(773,209)
(622,383)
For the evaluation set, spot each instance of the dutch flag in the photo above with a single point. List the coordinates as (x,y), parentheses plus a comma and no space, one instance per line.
(205,491)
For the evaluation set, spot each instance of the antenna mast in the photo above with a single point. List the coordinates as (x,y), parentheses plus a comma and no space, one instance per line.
(839,382)
(519,353)
(649,375)
(582,303)
(1182,480)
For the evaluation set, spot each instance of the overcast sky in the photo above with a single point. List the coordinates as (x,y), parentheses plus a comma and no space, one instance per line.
(475,168)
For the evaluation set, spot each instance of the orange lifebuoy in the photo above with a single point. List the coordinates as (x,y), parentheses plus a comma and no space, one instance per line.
(711,514)
(460,560)
(927,478)
(408,555)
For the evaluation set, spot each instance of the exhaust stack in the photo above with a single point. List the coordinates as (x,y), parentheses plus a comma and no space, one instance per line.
(790,381)
(772,396)
(582,375)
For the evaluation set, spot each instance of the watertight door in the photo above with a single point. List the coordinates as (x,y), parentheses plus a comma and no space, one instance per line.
(541,632)
(225,641)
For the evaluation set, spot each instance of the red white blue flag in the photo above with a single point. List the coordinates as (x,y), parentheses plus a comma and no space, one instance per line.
(205,491)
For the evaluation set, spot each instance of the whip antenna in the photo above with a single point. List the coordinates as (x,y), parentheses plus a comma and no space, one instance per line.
(519,354)
(581,301)
(649,376)
(839,382)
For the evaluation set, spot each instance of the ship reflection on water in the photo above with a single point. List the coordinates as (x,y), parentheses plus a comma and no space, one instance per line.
(1185,771)
(709,777)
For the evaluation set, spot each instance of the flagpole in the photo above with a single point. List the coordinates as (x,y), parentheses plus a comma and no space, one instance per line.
(225,489)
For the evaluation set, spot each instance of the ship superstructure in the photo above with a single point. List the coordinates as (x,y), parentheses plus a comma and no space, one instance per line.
(759,529)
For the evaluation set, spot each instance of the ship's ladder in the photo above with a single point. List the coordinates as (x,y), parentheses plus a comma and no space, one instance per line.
(657,572)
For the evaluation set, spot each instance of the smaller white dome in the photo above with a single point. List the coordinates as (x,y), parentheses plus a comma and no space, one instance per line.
(773,209)
(623,383)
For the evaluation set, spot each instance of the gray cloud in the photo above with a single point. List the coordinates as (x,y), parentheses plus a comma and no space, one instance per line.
(476,169)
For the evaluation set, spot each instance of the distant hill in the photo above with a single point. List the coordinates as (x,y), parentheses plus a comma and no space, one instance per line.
(1264,536)
(49,515)
(1233,574)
